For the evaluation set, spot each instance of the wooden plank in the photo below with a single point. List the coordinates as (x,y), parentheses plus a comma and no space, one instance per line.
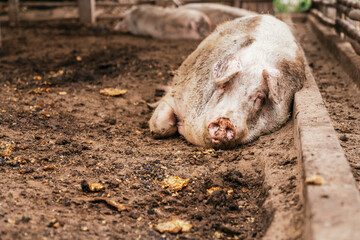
(237,3)
(87,11)
(349,29)
(48,4)
(160,2)
(13,12)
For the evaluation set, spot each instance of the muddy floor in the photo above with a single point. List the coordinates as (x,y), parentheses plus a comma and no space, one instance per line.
(57,130)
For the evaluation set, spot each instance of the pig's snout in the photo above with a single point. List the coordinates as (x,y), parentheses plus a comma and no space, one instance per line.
(221,131)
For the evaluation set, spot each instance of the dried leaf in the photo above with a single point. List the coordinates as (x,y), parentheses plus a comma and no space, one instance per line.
(54,223)
(49,168)
(112,204)
(113,92)
(211,190)
(314,180)
(175,183)
(26,170)
(91,187)
(175,225)
(230,192)
(40,91)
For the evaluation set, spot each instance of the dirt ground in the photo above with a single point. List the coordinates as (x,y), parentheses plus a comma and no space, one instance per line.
(340,94)
(57,130)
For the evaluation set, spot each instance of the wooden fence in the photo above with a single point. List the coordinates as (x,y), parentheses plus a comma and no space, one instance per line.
(343,16)
(87,7)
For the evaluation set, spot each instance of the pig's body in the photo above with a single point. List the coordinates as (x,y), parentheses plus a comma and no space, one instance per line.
(218,13)
(166,23)
(237,85)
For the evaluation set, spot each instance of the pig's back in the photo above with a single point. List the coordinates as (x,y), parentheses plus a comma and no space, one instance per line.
(219,13)
(262,34)
(258,38)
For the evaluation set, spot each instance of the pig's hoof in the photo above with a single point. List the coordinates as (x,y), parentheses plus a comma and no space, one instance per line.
(221,131)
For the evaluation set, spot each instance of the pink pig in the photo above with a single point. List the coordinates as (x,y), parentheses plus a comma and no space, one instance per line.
(165,23)
(237,85)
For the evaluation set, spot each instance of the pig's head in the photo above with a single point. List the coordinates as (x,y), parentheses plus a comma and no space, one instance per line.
(241,101)
(192,24)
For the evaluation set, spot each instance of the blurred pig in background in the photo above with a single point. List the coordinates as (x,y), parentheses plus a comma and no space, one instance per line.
(218,13)
(165,23)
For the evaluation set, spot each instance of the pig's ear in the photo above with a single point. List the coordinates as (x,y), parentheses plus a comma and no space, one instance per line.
(225,69)
(271,79)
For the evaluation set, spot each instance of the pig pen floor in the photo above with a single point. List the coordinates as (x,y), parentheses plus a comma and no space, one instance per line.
(57,130)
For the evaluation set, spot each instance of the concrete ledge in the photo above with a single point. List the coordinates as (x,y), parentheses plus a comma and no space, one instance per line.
(333,207)
(341,49)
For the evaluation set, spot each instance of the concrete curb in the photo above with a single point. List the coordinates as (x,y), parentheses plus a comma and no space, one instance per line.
(332,208)
(341,49)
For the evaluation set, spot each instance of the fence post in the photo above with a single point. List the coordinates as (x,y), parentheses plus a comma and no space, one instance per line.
(237,3)
(160,3)
(13,12)
(87,11)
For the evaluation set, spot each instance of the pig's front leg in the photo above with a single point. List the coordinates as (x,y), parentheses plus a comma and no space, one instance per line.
(163,122)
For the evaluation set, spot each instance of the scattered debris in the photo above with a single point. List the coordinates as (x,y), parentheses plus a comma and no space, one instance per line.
(344,138)
(6,148)
(84,228)
(244,189)
(113,92)
(314,180)
(40,91)
(26,170)
(91,187)
(174,183)
(49,168)
(112,204)
(54,223)
(175,225)
(211,190)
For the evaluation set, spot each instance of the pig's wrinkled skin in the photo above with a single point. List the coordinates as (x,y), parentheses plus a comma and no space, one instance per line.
(166,23)
(218,13)
(237,85)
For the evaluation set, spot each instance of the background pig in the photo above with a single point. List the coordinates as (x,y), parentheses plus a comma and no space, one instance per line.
(166,23)
(218,13)
(237,85)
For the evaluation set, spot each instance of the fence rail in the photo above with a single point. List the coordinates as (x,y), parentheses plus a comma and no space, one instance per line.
(87,7)
(343,16)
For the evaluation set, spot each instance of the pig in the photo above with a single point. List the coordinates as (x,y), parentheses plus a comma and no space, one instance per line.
(165,23)
(218,13)
(238,84)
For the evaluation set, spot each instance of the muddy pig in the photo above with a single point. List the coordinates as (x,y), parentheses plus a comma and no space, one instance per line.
(237,85)
(165,23)
(218,13)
